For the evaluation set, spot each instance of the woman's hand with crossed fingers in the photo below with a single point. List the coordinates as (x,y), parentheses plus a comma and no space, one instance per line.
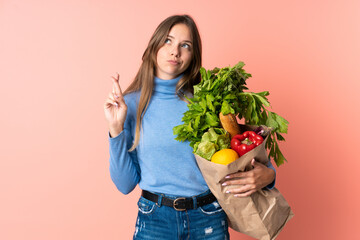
(115,109)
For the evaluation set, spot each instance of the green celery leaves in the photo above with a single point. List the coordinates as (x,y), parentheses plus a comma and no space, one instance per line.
(222,90)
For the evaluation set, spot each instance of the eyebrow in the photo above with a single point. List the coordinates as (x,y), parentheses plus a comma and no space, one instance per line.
(187,41)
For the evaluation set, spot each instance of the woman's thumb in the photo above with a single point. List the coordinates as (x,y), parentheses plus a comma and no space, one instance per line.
(254,162)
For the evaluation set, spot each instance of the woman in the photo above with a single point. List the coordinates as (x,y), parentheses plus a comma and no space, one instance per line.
(176,202)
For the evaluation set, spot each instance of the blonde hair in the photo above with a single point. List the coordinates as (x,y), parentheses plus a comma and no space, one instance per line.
(144,79)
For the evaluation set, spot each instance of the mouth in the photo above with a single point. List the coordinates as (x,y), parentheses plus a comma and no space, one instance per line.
(173,62)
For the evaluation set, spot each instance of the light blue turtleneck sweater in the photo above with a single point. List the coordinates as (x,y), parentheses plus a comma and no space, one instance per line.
(159,163)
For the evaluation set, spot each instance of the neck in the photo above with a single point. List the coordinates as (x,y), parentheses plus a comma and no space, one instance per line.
(166,87)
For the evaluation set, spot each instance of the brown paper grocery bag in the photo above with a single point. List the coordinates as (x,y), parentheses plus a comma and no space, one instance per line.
(261,215)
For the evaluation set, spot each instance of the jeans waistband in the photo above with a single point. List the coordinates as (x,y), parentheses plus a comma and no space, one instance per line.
(180,203)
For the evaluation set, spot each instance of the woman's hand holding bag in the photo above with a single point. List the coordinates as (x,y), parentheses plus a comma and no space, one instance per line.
(250,181)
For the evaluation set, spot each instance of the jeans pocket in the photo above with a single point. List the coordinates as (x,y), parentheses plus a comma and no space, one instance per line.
(145,206)
(211,208)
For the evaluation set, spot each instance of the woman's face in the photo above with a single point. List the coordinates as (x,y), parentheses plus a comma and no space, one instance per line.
(174,57)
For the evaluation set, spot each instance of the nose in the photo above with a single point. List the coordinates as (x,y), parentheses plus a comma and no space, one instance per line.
(175,51)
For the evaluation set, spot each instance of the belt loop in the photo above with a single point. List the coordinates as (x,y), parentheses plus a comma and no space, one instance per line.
(194,202)
(160,196)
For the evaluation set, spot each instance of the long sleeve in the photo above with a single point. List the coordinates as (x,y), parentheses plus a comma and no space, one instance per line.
(271,185)
(124,167)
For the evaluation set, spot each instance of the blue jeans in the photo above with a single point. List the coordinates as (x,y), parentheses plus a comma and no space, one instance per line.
(156,222)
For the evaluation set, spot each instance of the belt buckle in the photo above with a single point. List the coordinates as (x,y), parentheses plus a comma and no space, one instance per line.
(175,204)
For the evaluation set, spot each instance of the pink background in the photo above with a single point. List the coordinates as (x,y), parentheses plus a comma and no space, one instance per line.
(56,59)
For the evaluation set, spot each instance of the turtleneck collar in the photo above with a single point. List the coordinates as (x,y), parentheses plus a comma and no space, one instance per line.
(165,87)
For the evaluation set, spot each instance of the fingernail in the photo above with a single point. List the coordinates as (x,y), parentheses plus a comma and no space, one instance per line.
(116,104)
(236,195)
(116,96)
(227,191)
(224,184)
(227,177)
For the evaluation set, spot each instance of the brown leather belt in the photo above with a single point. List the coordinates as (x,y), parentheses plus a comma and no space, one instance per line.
(181,203)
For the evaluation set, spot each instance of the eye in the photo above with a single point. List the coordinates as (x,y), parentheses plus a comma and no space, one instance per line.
(167,40)
(185,45)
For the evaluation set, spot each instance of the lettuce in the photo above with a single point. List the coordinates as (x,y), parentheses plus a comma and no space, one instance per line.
(212,142)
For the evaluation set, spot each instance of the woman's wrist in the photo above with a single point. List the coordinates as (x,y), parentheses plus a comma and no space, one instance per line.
(114,132)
